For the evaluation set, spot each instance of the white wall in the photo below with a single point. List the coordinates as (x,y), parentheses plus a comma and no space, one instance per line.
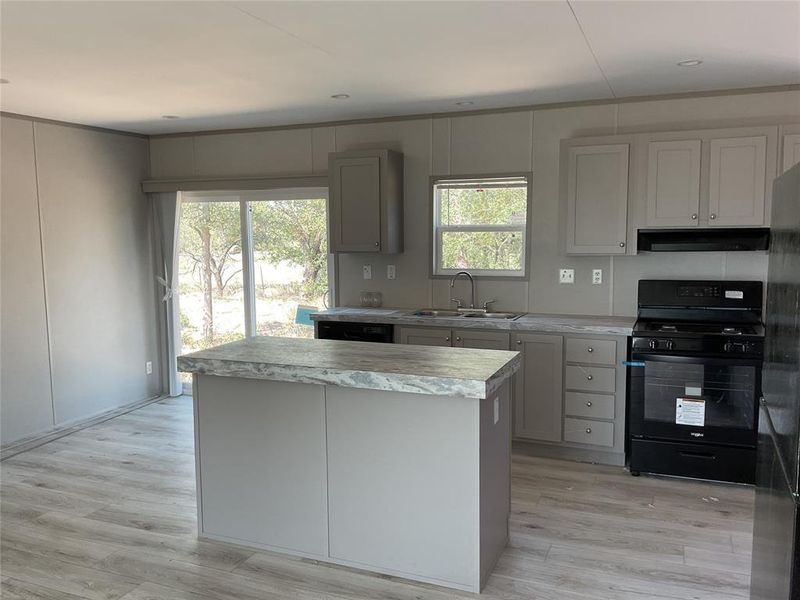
(78,300)
(525,140)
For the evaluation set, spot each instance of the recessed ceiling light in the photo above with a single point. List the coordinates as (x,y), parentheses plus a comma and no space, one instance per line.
(170,117)
(4,81)
(690,63)
(340,96)
(465,103)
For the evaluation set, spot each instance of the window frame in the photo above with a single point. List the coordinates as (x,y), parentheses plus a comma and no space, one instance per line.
(436,229)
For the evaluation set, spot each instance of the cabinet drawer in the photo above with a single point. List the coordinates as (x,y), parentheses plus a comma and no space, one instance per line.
(593,406)
(590,379)
(581,431)
(594,352)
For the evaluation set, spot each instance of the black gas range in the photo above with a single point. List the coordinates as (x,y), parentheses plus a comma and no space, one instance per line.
(695,379)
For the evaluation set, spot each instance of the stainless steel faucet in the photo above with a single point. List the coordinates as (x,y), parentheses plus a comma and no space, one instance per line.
(472,284)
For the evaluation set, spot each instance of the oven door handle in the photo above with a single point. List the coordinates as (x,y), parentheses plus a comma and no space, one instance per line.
(638,357)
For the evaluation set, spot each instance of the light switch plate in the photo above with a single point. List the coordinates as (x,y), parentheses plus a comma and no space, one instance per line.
(566,276)
(390,272)
(367,271)
(597,276)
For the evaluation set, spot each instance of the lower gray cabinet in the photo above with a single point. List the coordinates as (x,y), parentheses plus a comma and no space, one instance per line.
(458,338)
(425,336)
(488,340)
(538,408)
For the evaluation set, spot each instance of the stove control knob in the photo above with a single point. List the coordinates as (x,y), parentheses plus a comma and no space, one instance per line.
(653,344)
(670,345)
(728,347)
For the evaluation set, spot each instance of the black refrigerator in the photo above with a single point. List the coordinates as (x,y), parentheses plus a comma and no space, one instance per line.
(776,529)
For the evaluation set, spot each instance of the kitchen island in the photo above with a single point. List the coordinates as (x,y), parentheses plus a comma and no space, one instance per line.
(393,459)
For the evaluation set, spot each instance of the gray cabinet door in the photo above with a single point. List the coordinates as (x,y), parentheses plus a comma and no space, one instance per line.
(737,180)
(597,199)
(538,405)
(355,190)
(489,340)
(425,336)
(673,183)
(791,150)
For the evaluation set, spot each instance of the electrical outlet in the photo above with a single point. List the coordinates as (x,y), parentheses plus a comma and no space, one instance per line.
(597,276)
(148,367)
(390,272)
(367,270)
(566,276)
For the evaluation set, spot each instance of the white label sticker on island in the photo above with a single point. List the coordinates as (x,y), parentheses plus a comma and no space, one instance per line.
(690,411)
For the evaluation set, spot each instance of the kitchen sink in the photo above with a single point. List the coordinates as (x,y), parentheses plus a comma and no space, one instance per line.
(492,315)
(433,312)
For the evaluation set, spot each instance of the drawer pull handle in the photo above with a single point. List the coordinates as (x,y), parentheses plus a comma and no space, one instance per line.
(447,339)
(588,430)
(694,217)
(590,349)
(712,216)
(589,403)
(589,377)
(458,339)
(377,244)
(703,455)
(519,342)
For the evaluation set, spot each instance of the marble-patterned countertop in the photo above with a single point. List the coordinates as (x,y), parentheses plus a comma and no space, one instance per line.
(462,372)
(528,322)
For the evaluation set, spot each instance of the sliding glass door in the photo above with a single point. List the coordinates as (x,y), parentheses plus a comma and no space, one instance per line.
(210,280)
(290,264)
(251,263)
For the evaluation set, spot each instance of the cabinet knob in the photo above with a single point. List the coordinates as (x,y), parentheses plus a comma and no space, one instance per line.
(519,342)
(590,349)
(589,377)
(458,339)
(377,244)
(712,216)
(447,339)
(694,216)
(588,430)
(622,244)
(589,403)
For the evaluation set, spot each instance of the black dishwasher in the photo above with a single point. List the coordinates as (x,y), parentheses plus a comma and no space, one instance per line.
(355,332)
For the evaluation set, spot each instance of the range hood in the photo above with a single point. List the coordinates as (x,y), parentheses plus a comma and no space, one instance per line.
(703,240)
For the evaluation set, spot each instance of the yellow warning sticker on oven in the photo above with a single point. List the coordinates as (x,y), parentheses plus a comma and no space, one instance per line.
(690,411)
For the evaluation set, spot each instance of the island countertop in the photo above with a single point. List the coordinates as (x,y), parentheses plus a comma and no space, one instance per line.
(462,372)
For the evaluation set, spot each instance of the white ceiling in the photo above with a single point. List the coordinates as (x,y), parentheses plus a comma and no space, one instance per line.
(245,64)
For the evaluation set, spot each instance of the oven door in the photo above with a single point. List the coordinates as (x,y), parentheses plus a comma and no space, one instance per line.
(687,398)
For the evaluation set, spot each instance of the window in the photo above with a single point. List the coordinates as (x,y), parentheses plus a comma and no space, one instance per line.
(481,225)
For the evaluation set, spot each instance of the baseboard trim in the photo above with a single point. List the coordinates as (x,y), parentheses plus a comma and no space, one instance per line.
(38,439)
(568,453)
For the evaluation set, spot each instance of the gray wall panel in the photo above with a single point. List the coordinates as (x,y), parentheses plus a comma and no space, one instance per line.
(25,401)
(98,268)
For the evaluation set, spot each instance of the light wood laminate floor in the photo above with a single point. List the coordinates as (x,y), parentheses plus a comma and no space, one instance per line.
(109,512)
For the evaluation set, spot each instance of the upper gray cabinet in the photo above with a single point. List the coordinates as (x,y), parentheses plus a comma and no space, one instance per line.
(673,183)
(705,178)
(366,201)
(737,181)
(791,150)
(596,190)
